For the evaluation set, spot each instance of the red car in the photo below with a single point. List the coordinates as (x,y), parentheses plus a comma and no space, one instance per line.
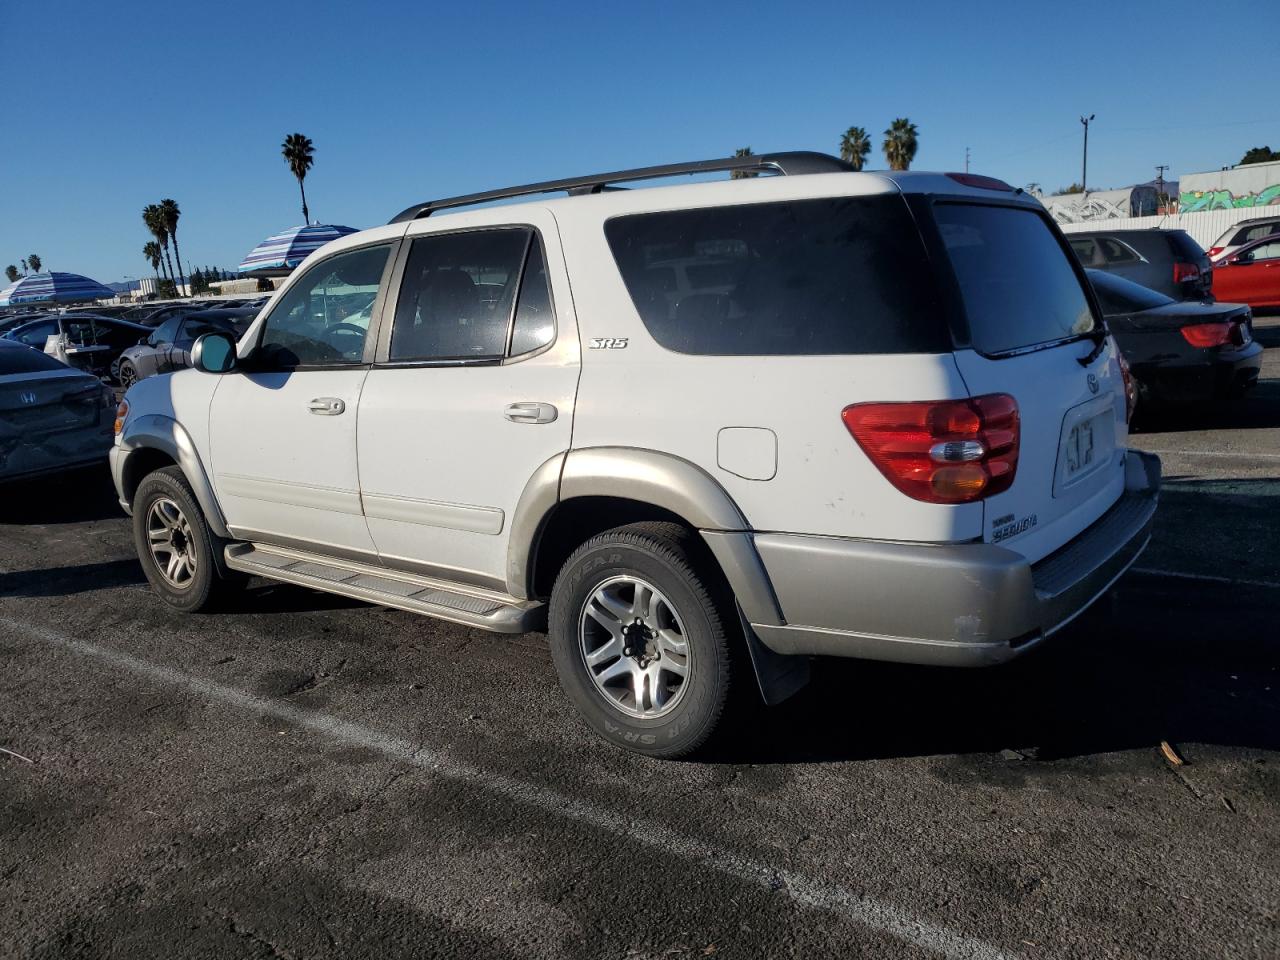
(1250,275)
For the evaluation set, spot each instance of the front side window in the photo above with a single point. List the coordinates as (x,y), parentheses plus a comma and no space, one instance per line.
(457,296)
(324,317)
(36,335)
(839,275)
(1017,283)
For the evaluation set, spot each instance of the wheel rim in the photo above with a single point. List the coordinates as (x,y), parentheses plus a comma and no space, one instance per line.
(127,376)
(635,648)
(172,545)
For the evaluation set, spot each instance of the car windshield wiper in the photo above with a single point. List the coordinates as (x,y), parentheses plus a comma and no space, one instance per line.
(1099,337)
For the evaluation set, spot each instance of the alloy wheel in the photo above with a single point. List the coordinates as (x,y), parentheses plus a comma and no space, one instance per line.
(634,647)
(172,544)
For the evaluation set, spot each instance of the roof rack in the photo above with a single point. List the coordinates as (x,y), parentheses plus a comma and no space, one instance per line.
(790,164)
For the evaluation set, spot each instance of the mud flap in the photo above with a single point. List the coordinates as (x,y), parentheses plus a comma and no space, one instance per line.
(779,677)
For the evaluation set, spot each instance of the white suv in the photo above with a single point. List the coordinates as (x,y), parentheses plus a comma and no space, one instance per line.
(884,421)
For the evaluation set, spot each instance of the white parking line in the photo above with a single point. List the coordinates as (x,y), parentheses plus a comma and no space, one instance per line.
(1234,581)
(1214,453)
(841,901)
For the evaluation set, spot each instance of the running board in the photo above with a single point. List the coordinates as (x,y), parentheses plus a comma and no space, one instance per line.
(457,603)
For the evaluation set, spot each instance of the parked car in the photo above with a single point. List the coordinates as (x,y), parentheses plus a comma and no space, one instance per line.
(168,348)
(1181,354)
(12,321)
(897,431)
(1238,234)
(1169,261)
(92,343)
(52,417)
(152,315)
(1251,274)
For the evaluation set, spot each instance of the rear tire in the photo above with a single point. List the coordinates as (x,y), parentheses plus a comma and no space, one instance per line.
(639,639)
(178,551)
(127,375)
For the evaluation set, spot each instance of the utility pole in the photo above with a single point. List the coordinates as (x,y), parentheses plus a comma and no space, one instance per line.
(1084,166)
(1160,169)
(966,159)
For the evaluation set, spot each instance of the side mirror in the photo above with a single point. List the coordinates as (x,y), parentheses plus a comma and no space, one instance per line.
(214,353)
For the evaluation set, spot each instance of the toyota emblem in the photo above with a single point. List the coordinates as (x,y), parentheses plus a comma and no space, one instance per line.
(27,396)
(1093,383)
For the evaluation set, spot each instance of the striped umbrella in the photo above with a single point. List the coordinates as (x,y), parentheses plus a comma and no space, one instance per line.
(277,256)
(53,287)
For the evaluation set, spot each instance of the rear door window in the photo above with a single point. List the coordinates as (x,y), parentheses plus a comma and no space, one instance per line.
(457,296)
(1018,286)
(1115,252)
(839,275)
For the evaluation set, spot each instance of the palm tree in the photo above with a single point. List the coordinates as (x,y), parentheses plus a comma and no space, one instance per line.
(900,143)
(34,260)
(855,145)
(169,214)
(154,219)
(743,174)
(12,273)
(24,266)
(299,154)
(151,250)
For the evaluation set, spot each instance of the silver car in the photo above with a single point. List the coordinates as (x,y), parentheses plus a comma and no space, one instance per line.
(168,347)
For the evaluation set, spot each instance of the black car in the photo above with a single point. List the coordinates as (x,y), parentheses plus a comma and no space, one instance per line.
(51,417)
(1165,260)
(92,343)
(1181,354)
(168,348)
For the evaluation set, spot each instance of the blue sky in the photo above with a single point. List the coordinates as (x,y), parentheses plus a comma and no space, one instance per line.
(114,105)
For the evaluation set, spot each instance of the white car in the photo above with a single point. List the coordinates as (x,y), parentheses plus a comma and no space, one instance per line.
(891,426)
(1238,234)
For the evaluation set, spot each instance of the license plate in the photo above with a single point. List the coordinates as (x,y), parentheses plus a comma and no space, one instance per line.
(1080,448)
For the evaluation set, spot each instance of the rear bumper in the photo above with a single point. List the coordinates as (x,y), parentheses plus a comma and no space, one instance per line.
(1186,383)
(953,605)
(53,453)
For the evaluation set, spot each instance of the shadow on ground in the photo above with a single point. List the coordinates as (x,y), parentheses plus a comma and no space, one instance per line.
(1160,658)
(77,496)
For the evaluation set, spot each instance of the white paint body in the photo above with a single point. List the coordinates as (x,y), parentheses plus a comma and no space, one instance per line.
(424,468)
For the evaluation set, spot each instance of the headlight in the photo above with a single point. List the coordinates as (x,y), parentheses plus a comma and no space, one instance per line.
(122,411)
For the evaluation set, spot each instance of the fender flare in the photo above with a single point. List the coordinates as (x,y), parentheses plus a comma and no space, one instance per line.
(157,432)
(652,477)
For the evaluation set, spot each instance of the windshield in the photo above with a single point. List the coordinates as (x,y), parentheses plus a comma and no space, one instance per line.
(1118,295)
(1018,285)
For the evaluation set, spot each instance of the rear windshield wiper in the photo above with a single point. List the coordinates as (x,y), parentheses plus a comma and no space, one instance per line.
(1099,337)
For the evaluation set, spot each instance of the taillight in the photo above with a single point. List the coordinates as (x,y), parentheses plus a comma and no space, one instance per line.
(1214,251)
(122,411)
(1130,388)
(943,451)
(1184,272)
(1207,334)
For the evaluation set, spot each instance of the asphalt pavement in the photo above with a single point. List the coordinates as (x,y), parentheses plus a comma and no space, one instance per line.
(305,776)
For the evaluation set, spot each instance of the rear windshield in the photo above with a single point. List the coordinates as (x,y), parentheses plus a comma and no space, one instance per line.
(1018,285)
(1118,295)
(26,360)
(1185,248)
(837,275)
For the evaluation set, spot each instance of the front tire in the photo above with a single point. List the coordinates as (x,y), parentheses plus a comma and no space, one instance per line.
(638,639)
(174,543)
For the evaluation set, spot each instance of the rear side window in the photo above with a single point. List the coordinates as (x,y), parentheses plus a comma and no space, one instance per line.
(1185,248)
(1018,286)
(1113,251)
(26,360)
(840,275)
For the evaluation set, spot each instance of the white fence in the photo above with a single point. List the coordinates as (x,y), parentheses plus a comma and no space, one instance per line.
(1205,226)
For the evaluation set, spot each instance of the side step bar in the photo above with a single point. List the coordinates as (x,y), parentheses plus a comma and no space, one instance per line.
(457,603)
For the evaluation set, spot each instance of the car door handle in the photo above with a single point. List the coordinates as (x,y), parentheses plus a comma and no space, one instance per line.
(326,406)
(531,413)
